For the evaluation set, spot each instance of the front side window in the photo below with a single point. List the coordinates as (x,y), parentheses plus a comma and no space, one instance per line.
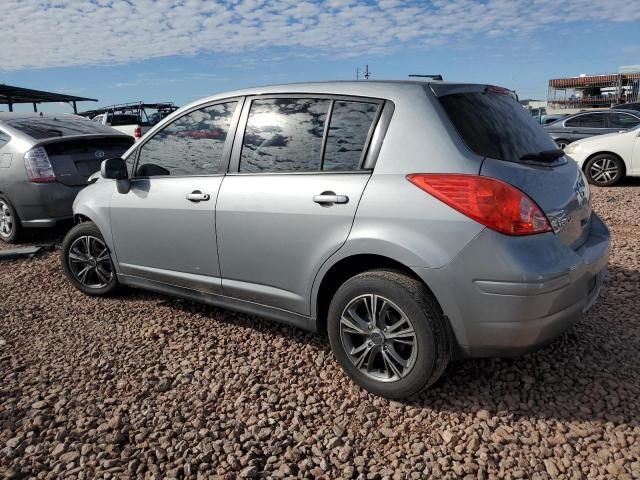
(348,131)
(623,121)
(284,135)
(191,145)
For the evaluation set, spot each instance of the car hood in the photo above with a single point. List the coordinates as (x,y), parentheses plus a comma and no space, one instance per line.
(605,137)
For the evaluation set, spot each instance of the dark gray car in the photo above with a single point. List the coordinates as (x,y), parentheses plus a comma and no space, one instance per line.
(587,124)
(45,160)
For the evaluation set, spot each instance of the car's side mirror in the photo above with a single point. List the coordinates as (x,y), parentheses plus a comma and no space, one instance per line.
(114,168)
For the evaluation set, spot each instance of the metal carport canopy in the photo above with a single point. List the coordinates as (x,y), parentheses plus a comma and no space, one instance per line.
(11,95)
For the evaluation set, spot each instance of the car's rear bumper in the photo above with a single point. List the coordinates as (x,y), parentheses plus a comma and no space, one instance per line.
(43,205)
(509,295)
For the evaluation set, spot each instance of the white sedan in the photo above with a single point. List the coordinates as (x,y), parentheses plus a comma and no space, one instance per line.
(606,159)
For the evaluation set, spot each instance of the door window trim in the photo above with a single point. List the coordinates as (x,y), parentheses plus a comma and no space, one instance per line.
(226,150)
(609,118)
(365,165)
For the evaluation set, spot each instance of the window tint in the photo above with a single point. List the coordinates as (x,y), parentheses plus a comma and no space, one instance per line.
(191,145)
(284,135)
(592,120)
(496,126)
(348,131)
(622,121)
(123,119)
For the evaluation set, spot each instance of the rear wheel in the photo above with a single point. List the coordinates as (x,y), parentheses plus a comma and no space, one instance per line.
(10,228)
(86,260)
(562,143)
(388,333)
(604,170)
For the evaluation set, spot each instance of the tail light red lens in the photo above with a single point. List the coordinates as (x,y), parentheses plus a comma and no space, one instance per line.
(486,200)
(39,169)
(137,133)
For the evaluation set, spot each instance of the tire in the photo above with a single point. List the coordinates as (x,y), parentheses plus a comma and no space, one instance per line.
(84,250)
(562,143)
(604,170)
(10,226)
(403,299)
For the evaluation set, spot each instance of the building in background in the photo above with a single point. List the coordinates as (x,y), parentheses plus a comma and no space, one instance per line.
(573,94)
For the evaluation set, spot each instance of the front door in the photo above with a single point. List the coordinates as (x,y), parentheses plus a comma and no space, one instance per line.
(164,227)
(291,202)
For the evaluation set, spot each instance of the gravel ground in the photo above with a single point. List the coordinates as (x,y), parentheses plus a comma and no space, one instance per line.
(149,386)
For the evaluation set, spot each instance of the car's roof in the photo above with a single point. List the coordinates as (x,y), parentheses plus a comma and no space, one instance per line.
(4,116)
(607,110)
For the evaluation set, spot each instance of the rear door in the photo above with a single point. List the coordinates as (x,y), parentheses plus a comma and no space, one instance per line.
(290,197)
(620,121)
(164,227)
(496,127)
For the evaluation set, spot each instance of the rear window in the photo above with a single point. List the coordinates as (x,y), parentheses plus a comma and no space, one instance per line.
(495,125)
(123,119)
(51,127)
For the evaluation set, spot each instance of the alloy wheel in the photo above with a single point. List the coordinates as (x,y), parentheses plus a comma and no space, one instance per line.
(378,337)
(6,220)
(89,262)
(604,170)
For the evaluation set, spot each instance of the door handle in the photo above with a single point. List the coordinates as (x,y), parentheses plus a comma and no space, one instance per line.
(197,196)
(326,199)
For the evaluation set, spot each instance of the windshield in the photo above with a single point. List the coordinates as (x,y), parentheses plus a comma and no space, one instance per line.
(50,127)
(495,125)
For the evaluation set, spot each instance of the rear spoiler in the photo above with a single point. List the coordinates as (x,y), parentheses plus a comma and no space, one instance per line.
(91,136)
(443,89)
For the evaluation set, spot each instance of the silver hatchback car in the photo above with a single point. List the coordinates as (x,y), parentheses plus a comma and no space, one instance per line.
(413,222)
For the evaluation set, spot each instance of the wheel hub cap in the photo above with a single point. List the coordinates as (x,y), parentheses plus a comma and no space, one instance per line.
(90,262)
(378,337)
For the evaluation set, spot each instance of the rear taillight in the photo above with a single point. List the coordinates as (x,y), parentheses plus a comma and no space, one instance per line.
(39,169)
(491,202)
(137,133)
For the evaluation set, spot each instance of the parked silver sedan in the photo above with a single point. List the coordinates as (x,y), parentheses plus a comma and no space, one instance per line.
(412,222)
(45,160)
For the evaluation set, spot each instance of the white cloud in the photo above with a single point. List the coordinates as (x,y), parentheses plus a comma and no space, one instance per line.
(41,34)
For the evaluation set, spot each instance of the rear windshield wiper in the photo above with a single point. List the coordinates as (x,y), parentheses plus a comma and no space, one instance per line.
(544,156)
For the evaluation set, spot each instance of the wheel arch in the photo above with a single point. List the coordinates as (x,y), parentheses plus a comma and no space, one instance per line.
(605,152)
(345,268)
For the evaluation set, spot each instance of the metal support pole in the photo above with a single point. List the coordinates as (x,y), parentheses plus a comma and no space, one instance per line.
(75,109)
(35,107)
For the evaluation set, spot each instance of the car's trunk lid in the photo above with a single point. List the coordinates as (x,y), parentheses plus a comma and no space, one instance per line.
(75,159)
(517,150)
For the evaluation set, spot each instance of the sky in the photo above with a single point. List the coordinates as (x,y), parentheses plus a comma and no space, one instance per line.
(181,50)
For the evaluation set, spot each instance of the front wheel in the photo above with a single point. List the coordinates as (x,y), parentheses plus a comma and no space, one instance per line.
(388,333)
(87,262)
(604,170)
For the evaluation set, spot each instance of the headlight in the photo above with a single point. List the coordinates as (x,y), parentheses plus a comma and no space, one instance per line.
(572,147)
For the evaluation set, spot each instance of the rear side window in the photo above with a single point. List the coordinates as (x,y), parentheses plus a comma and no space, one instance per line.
(349,129)
(495,125)
(622,121)
(284,135)
(191,145)
(51,127)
